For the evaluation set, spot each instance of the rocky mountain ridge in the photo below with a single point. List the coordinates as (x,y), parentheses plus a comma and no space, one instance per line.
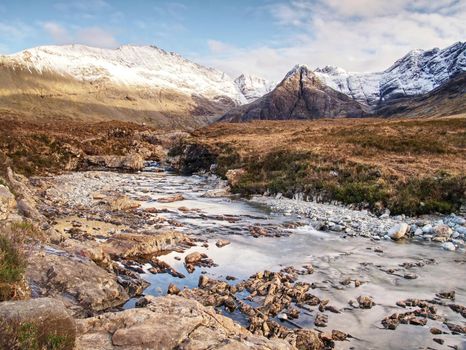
(300,95)
(416,73)
(253,87)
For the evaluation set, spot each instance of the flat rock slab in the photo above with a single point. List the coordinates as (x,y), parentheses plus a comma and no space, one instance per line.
(167,323)
(135,244)
(83,286)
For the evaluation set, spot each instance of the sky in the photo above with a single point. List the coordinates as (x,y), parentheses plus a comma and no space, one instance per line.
(261,37)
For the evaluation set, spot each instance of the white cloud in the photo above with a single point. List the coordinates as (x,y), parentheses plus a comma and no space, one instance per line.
(95,36)
(358,35)
(59,34)
(92,36)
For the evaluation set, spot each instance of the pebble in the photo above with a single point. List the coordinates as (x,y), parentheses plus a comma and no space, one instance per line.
(448,246)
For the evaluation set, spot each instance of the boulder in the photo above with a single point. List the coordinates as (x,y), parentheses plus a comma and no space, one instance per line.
(123,203)
(222,243)
(137,244)
(234,175)
(442,231)
(7,202)
(43,323)
(130,162)
(169,322)
(398,231)
(365,302)
(83,286)
(448,246)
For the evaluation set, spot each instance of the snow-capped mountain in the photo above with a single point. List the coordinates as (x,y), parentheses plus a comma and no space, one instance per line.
(300,95)
(253,87)
(137,66)
(362,87)
(416,73)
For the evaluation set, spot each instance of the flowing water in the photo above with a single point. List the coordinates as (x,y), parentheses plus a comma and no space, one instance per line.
(334,257)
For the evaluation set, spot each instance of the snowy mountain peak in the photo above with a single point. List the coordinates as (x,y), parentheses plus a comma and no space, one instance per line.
(253,87)
(331,70)
(139,66)
(418,72)
(299,69)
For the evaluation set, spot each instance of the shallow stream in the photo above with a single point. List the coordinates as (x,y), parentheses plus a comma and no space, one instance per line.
(293,242)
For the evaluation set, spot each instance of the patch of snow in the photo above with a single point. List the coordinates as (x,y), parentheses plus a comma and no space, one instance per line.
(141,66)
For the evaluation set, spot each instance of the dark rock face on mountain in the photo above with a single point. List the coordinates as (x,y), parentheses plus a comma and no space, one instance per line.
(301,95)
(447,99)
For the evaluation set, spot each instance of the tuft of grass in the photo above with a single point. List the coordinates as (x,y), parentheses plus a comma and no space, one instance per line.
(14,242)
(29,336)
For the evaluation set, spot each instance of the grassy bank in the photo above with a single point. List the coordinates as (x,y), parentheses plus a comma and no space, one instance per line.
(33,148)
(411,166)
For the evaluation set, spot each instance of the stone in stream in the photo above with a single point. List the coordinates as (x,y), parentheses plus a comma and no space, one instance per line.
(171,199)
(173,289)
(122,203)
(222,243)
(365,302)
(435,331)
(398,231)
(448,246)
(321,320)
(442,231)
(447,295)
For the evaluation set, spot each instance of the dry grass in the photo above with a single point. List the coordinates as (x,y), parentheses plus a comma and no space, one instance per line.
(409,165)
(32,148)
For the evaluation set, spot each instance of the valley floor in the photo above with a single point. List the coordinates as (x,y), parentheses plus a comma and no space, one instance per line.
(319,254)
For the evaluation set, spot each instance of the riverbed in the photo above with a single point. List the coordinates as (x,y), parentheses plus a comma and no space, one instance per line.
(389,271)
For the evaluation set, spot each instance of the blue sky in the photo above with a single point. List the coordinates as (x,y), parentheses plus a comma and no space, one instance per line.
(262,37)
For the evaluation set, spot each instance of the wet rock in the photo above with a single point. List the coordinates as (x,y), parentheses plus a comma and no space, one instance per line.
(222,243)
(365,302)
(339,335)
(321,320)
(456,328)
(78,282)
(447,295)
(203,281)
(435,331)
(197,259)
(168,323)
(173,289)
(46,316)
(442,231)
(449,246)
(257,231)
(123,203)
(305,339)
(398,231)
(171,199)
(459,309)
(410,276)
(135,244)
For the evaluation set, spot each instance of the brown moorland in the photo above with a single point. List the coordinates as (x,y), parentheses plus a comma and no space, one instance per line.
(410,166)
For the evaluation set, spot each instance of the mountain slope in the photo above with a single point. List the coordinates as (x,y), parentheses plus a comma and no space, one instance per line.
(300,95)
(417,73)
(140,84)
(447,99)
(253,87)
